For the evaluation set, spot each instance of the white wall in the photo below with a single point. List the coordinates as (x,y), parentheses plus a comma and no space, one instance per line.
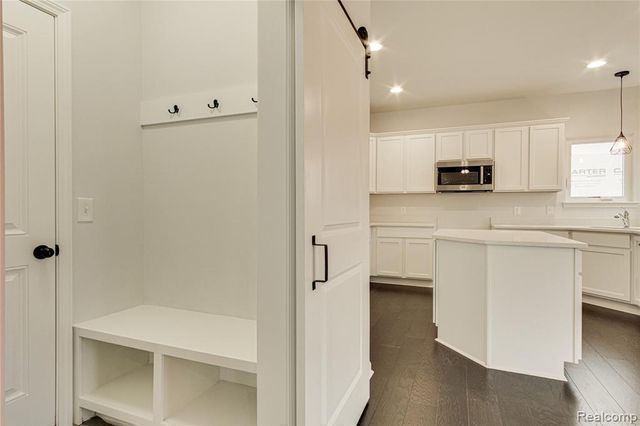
(200,184)
(593,115)
(107,156)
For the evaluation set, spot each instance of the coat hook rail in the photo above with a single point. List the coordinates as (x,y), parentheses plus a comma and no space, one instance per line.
(175,110)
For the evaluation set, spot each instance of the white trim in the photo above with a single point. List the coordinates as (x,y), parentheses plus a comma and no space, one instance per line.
(600,204)
(611,304)
(235,100)
(463,353)
(64,209)
(276,238)
(406,282)
(475,127)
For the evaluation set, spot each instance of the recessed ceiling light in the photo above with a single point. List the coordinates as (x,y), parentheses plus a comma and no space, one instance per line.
(396,89)
(374,46)
(597,63)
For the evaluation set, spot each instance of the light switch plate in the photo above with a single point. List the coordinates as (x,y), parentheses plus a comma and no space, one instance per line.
(85,209)
(517,211)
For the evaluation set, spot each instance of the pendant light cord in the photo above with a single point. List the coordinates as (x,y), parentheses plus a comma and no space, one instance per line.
(621,77)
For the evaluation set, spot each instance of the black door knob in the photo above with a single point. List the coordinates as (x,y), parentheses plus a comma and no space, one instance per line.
(43,252)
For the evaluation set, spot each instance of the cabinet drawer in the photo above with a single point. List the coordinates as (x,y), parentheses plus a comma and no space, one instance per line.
(398,232)
(602,239)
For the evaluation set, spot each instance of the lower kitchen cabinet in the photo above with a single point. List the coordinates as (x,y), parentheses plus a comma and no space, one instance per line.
(606,264)
(389,257)
(400,252)
(418,254)
(607,272)
(636,269)
(610,266)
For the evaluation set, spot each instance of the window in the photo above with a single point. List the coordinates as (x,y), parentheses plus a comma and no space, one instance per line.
(595,173)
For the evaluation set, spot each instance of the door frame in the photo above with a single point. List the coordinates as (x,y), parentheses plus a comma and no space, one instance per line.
(279,212)
(64,212)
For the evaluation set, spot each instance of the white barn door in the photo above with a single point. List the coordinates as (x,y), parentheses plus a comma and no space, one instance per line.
(334,323)
(30,287)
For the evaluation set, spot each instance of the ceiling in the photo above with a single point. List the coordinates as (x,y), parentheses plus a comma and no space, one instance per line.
(454,52)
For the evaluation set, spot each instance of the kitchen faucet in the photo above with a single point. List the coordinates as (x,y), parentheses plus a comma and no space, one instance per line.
(624,215)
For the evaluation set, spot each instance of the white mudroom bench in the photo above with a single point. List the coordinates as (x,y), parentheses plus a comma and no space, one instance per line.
(155,366)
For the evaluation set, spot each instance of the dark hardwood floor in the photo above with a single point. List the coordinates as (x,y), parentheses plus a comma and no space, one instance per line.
(419,382)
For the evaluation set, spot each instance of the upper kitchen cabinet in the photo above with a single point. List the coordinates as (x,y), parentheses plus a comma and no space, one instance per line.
(511,159)
(419,163)
(527,155)
(389,164)
(405,164)
(478,144)
(529,158)
(450,146)
(545,157)
(469,145)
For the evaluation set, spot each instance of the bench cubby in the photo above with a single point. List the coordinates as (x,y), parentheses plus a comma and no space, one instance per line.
(158,366)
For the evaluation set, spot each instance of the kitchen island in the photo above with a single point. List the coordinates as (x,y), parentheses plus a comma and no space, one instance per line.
(509,300)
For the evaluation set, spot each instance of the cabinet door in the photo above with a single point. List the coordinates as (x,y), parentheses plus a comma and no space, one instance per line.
(478,144)
(419,163)
(449,146)
(389,257)
(418,258)
(545,157)
(372,165)
(636,270)
(389,161)
(511,151)
(606,272)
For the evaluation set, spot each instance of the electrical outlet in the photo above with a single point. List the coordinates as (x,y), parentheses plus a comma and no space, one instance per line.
(517,211)
(551,210)
(85,210)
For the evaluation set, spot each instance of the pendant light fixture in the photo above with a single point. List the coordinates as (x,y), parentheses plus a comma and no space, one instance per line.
(621,146)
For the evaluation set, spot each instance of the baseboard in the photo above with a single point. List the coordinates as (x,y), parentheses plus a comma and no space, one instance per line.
(401,281)
(463,353)
(611,304)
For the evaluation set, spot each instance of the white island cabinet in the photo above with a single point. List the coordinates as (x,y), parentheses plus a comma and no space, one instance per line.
(509,300)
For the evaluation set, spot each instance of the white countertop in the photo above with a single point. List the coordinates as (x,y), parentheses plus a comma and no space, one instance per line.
(506,238)
(584,228)
(403,225)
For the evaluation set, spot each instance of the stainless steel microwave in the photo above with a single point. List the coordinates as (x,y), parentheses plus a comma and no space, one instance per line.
(464,176)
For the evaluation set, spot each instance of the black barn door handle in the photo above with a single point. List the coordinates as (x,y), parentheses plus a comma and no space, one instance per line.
(326,262)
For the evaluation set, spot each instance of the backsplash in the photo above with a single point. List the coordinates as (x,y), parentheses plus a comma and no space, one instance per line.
(475,210)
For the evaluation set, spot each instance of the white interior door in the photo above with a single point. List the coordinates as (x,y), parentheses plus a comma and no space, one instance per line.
(334,318)
(28,36)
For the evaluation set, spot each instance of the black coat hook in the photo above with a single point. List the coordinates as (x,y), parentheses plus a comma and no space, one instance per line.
(175,110)
(254,101)
(215,105)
